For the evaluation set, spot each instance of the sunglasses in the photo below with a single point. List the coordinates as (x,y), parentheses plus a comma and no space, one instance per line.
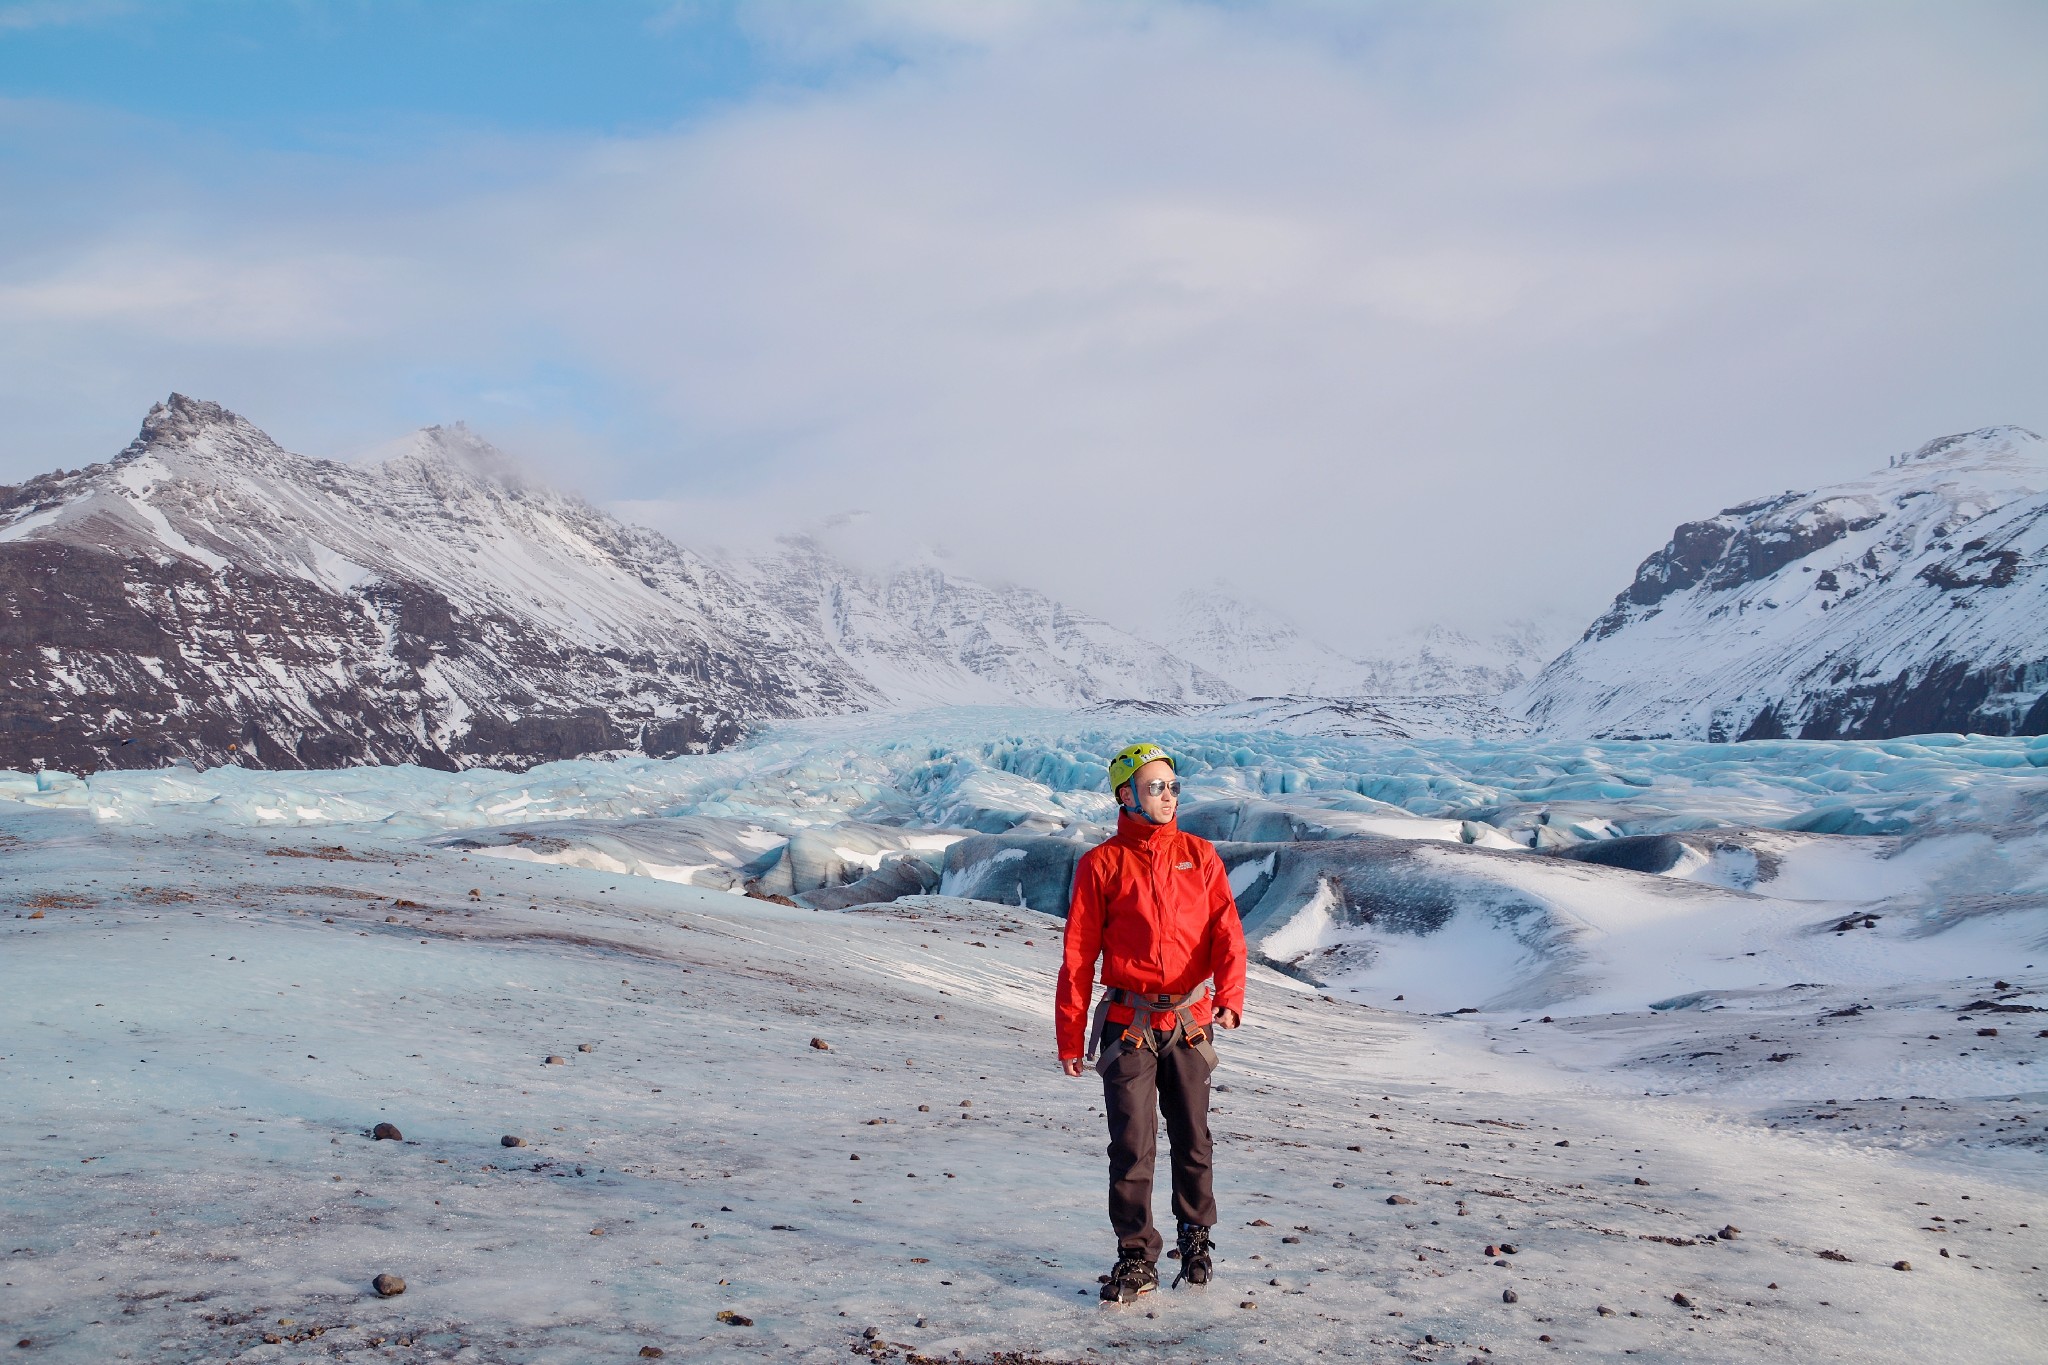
(1159,786)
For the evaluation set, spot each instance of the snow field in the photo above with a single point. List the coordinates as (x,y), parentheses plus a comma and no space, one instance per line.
(185,984)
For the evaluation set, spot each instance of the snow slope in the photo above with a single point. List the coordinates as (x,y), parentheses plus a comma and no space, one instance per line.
(208,591)
(1909,601)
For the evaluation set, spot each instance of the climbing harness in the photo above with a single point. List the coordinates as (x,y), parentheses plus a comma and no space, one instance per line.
(1138,1035)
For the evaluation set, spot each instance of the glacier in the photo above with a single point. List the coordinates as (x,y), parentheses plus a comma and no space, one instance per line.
(1750,1023)
(1493,873)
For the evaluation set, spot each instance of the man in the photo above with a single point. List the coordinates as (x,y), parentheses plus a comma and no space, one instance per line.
(1154,905)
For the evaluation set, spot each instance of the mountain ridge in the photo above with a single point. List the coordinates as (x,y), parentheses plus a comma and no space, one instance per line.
(210,596)
(924,636)
(1908,601)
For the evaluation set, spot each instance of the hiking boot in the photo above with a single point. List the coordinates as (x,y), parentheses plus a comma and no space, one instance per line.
(1133,1275)
(1194,1255)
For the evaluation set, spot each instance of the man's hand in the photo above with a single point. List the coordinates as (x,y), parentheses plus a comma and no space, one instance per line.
(1071,1065)
(1226,1018)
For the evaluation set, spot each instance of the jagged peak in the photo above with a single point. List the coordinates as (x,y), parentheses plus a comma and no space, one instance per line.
(1966,445)
(197,426)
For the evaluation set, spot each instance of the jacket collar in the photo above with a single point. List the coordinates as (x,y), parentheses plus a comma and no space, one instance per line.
(1141,833)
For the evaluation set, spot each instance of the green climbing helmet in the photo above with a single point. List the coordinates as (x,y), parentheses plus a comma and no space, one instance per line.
(1128,761)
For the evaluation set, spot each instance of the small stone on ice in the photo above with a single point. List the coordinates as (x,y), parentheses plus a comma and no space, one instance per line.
(821,1045)
(388,1286)
(1681,1300)
(652,1352)
(1730,1233)
(585,1047)
(1509,1296)
(387,1132)
(1604,1311)
(1902,1265)
(1399,1199)
(509,1140)
(553,1060)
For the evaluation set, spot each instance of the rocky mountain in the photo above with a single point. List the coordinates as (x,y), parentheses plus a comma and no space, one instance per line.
(1911,601)
(922,636)
(1263,653)
(207,595)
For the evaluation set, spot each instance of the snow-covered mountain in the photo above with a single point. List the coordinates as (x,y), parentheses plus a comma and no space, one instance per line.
(921,636)
(208,595)
(1912,601)
(1442,661)
(1259,650)
(1264,654)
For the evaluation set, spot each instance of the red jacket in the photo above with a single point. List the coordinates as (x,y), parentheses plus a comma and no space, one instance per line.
(1154,905)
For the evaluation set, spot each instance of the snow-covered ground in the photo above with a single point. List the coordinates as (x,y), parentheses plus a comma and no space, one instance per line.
(212,986)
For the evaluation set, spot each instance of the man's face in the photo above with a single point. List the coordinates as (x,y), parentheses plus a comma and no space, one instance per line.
(1162,806)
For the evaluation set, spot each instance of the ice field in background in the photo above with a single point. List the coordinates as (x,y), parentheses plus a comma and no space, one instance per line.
(1427,875)
(969,765)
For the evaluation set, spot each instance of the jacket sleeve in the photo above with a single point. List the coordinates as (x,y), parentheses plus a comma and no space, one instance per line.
(1226,938)
(1082,946)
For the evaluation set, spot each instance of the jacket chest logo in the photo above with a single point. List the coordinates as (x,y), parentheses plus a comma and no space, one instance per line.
(1183,867)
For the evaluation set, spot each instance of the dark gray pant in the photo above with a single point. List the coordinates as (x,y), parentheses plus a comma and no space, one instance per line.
(1138,1086)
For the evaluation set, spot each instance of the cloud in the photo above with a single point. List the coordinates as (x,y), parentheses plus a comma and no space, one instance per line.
(1388,313)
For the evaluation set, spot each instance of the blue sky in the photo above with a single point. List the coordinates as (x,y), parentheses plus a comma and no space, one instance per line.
(1394,311)
(278,73)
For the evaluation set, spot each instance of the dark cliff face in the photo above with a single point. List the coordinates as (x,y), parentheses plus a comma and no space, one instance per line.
(130,663)
(130,640)
(1742,545)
